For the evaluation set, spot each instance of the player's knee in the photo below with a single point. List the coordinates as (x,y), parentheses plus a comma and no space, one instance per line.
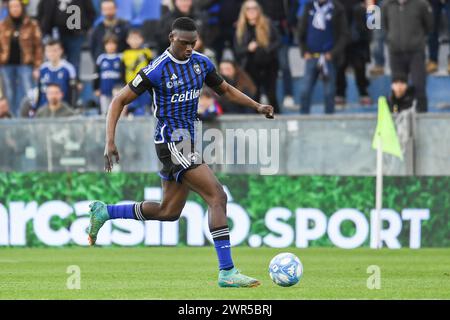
(223,197)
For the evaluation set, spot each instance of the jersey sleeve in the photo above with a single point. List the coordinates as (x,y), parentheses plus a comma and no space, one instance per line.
(98,62)
(140,83)
(213,78)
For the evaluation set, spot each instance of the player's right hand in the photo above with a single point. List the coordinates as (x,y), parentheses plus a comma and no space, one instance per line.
(110,152)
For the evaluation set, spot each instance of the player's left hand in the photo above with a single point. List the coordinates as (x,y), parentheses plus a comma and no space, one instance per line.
(266,110)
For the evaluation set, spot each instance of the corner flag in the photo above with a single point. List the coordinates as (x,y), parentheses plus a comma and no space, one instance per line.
(386,131)
(385,140)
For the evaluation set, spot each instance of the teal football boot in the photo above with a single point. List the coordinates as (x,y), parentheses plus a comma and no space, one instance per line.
(233,278)
(98,216)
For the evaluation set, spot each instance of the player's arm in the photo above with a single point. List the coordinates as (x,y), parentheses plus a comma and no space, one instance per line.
(221,87)
(128,94)
(123,98)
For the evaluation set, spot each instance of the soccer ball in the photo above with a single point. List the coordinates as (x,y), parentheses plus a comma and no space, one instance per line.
(285,269)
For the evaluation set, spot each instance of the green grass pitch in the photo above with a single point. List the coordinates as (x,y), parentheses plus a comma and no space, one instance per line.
(190,273)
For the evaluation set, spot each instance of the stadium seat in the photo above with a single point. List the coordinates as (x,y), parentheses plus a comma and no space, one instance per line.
(125,9)
(3,13)
(438,95)
(97,4)
(151,10)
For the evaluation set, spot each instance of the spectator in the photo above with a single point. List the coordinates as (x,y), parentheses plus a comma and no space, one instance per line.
(407,24)
(279,14)
(9,155)
(134,59)
(323,34)
(57,70)
(298,12)
(110,72)
(256,45)
(182,8)
(208,107)
(300,8)
(220,26)
(357,53)
(296,17)
(32,7)
(402,96)
(56,16)
(148,18)
(20,53)
(137,56)
(166,6)
(56,107)
(433,41)
(28,103)
(378,35)
(4,109)
(109,25)
(136,12)
(200,47)
(238,78)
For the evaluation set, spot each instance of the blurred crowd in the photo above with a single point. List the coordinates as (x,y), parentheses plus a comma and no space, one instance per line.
(42,45)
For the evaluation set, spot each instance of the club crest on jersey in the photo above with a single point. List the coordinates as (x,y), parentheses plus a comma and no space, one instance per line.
(193,156)
(197,68)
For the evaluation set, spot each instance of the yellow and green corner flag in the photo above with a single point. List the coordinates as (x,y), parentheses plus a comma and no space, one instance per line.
(386,131)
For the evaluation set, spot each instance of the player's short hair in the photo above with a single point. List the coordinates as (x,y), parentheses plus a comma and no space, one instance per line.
(110,37)
(184,24)
(53,42)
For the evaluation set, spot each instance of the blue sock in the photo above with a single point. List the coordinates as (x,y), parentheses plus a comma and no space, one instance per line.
(221,237)
(125,211)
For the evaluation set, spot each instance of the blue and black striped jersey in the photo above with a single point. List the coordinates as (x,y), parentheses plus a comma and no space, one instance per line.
(175,86)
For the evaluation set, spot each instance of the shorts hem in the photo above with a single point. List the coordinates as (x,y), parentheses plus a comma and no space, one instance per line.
(164,177)
(179,174)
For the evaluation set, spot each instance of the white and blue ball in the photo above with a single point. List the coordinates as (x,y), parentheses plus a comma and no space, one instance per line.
(285,269)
